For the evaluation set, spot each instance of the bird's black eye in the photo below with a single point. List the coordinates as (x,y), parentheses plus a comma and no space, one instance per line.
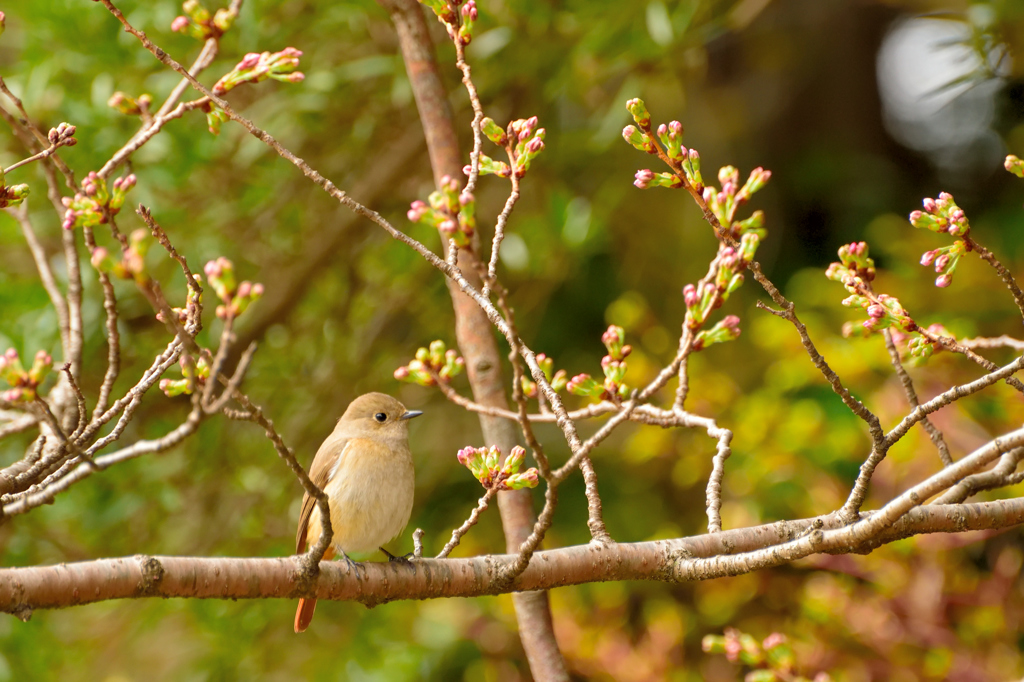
(380,417)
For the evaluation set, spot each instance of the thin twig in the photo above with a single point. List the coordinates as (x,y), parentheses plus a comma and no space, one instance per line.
(999,476)
(474,516)
(499,228)
(908,389)
(42,262)
(1003,341)
(1004,274)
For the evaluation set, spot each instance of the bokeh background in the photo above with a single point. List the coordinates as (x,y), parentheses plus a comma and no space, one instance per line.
(859,107)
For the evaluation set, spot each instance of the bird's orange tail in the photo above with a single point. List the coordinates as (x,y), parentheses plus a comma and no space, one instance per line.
(304,614)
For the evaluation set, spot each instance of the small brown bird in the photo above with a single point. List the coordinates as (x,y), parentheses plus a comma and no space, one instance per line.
(365,467)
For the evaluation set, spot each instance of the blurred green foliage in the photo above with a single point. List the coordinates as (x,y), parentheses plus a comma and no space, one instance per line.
(789,85)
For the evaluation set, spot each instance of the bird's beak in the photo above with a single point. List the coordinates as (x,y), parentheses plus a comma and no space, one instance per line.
(410,414)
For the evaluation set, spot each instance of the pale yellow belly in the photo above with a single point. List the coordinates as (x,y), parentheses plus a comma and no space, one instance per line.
(370,504)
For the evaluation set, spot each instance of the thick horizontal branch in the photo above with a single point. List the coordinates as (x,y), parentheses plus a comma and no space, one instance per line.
(23,590)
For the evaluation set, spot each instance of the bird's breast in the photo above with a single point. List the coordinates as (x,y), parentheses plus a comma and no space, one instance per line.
(371,496)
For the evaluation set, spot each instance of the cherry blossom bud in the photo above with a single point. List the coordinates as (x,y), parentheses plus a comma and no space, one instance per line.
(1014,165)
(644,178)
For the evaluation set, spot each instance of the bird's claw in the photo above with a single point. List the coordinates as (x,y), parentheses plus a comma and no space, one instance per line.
(401,559)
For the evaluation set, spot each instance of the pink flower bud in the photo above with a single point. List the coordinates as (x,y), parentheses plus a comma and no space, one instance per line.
(929,257)
(402,373)
(876,311)
(449,227)
(612,336)
(416,210)
(941,262)
(179,25)
(249,61)
(690,295)
(929,205)
(943,281)
(644,178)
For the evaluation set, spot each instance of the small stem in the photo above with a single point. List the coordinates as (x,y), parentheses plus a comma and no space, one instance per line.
(474,516)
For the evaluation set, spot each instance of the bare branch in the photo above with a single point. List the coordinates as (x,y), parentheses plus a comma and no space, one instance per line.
(858,533)
(474,516)
(42,262)
(25,589)
(49,491)
(1004,274)
(908,389)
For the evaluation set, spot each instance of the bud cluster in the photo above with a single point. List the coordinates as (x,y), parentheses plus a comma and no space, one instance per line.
(727,329)
(614,366)
(945,260)
(773,659)
(96,202)
(724,202)
(527,141)
(671,136)
(459,23)
(198,21)
(483,463)
(431,362)
(941,215)
(557,380)
(256,67)
(854,268)
(710,293)
(24,384)
(215,117)
(13,195)
(62,136)
(883,311)
(130,106)
(236,297)
(133,259)
(176,387)
(920,347)
(450,212)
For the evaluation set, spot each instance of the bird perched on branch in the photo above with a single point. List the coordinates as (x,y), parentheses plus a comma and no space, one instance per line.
(365,468)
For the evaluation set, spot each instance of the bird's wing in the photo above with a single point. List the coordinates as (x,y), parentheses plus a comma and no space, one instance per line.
(319,473)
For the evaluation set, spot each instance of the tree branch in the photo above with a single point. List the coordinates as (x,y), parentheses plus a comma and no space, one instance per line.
(23,590)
